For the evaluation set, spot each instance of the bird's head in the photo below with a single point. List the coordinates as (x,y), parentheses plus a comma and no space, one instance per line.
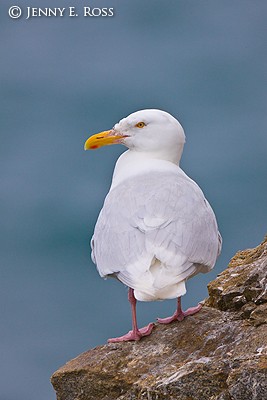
(150,131)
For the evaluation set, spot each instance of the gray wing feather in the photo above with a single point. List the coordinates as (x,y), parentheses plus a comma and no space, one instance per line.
(162,216)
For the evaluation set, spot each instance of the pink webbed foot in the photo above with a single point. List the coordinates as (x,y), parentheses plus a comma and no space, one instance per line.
(179,314)
(133,335)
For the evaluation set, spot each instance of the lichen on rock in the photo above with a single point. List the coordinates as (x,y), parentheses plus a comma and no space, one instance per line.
(219,353)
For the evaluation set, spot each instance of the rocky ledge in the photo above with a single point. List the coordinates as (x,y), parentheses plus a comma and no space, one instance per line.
(218,354)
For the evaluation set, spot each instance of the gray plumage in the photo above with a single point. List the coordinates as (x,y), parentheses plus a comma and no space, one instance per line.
(155,231)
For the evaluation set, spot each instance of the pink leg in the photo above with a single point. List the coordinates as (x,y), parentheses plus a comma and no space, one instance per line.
(135,333)
(179,314)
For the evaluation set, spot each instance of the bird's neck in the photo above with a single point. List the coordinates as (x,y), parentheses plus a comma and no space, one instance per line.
(132,163)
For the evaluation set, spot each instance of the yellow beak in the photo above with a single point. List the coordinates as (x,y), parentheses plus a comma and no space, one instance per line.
(102,139)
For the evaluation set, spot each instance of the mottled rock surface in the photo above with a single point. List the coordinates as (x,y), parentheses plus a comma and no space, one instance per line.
(218,354)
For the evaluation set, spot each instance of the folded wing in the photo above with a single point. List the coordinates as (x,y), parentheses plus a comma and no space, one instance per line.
(155,231)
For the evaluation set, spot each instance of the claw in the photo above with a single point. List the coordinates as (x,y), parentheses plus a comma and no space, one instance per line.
(133,335)
(179,314)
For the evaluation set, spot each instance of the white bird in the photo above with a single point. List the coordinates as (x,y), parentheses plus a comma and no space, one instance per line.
(156,229)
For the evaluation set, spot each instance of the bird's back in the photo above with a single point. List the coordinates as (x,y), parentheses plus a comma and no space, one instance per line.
(154,231)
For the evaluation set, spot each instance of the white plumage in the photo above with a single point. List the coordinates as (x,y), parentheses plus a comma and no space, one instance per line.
(156,229)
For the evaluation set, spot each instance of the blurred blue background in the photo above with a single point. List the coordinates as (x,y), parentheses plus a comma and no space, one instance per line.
(63,79)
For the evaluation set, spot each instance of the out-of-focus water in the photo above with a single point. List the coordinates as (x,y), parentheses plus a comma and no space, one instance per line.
(65,78)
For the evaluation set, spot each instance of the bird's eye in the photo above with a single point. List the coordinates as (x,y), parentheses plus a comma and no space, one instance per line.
(140,125)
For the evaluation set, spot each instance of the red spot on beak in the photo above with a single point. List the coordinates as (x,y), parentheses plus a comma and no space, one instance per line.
(94,147)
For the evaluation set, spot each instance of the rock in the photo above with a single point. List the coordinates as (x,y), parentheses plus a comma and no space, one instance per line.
(244,282)
(219,353)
